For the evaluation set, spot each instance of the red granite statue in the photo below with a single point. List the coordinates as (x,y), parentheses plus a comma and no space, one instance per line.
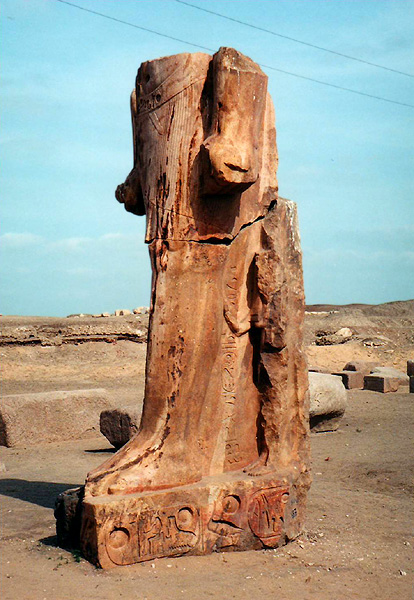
(221,458)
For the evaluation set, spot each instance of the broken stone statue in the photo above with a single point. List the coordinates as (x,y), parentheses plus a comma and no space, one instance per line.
(221,458)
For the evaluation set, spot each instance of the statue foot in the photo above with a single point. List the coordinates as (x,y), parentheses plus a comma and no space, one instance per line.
(128,457)
(258,467)
(135,468)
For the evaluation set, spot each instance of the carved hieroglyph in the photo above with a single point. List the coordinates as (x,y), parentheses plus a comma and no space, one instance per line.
(221,457)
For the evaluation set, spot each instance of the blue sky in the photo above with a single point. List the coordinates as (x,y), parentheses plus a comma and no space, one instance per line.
(65,143)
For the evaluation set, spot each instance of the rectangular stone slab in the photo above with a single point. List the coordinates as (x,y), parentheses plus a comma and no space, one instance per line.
(352,380)
(30,419)
(378,383)
(230,512)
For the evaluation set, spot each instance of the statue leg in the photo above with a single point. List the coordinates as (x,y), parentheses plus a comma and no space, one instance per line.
(181,416)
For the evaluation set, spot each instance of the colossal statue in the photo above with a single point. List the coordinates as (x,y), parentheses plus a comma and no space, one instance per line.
(221,458)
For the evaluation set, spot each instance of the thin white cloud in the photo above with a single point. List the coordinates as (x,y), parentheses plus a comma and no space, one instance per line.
(20,240)
(70,244)
(75,245)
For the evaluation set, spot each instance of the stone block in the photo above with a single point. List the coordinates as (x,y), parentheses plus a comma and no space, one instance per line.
(30,419)
(364,366)
(68,512)
(391,372)
(327,401)
(220,513)
(118,425)
(352,380)
(381,383)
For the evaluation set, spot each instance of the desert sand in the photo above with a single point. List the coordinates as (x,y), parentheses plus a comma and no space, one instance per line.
(359,536)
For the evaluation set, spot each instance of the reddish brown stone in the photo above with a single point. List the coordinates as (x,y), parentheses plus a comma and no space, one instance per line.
(381,383)
(221,458)
(231,512)
(363,366)
(352,380)
(118,425)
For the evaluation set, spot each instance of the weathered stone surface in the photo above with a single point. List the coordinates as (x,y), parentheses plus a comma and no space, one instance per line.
(219,513)
(344,332)
(364,366)
(29,419)
(391,372)
(328,401)
(68,515)
(352,380)
(410,368)
(118,425)
(381,383)
(221,458)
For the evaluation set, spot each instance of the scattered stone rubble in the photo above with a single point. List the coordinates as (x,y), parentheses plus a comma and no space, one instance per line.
(55,331)
(124,312)
(326,338)
(365,375)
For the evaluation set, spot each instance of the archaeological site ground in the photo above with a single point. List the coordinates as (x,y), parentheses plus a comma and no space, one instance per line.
(358,539)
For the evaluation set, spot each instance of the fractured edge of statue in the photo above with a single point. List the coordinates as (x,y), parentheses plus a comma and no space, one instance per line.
(221,458)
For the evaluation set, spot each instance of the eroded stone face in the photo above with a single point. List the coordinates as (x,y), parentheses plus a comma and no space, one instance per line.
(221,457)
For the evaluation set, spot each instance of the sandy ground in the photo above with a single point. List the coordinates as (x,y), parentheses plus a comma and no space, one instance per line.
(359,536)
(358,543)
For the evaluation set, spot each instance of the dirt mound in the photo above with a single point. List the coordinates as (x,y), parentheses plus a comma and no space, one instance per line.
(54,331)
(383,333)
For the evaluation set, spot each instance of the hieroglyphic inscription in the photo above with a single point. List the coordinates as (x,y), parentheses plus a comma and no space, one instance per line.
(228,520)
(266,513)
(168,532)
(231,287)
(229,377)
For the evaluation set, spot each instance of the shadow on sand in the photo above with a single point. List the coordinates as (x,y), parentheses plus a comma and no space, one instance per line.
(43,493)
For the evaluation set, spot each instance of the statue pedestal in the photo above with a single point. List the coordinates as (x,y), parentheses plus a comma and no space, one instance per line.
(230,512)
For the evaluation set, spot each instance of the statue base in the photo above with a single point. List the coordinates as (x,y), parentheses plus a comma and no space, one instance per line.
(229,512)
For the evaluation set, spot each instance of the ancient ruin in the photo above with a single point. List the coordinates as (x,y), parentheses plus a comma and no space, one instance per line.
(221,457)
